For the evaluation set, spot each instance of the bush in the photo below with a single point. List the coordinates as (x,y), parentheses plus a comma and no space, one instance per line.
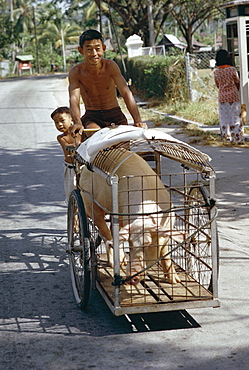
(157,76)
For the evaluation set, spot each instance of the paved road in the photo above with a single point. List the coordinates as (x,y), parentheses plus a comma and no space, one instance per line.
(41,327)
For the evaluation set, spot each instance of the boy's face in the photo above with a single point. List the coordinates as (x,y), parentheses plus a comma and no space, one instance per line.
(92,51)
(62,121)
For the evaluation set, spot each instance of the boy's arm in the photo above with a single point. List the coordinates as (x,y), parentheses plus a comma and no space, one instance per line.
(126,94)
(64,144)
(74,101)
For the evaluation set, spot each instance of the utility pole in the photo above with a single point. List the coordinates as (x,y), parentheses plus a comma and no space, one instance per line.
(150,21)
(63,50)
(36,41)
(100,19)
(12,25)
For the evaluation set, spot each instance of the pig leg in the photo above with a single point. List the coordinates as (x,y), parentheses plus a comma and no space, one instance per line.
(135,265)
(105,232)
(99,221)
(167,264)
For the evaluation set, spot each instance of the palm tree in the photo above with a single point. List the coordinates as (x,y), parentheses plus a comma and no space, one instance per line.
(23,16)
(59,32)
(54,26)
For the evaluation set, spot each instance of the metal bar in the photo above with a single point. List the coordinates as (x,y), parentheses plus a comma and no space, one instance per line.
(214,238)
(115,235)
(166,307)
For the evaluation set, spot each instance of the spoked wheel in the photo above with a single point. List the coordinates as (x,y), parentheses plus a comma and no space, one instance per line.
(199,261)
(79,249)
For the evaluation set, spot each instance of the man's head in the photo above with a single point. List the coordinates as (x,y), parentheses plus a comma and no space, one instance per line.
(92,47)
(90,35)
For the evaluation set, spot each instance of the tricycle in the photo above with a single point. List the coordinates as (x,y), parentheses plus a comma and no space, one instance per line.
(142,223)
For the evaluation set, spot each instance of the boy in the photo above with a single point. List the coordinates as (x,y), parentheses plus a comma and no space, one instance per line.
(63,121)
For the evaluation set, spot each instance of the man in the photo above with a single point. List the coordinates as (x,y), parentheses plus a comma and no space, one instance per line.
(96,80)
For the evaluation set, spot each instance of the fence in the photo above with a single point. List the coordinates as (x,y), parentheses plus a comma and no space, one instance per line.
(200,76)
(154,50)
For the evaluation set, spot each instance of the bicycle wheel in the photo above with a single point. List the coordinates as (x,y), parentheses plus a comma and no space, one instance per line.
(79,249)
(199,256)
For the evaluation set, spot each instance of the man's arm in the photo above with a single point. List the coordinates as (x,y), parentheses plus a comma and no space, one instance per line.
(74,101)
(126,94)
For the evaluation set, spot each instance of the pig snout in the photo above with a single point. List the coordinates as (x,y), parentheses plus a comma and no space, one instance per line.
(134,268)
(134,281)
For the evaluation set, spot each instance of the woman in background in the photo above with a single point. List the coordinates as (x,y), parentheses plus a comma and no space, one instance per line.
(227,80)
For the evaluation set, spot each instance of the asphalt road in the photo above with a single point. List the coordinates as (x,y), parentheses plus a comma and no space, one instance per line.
(40,325)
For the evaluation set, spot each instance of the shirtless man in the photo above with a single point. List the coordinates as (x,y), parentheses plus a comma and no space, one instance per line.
(96,80)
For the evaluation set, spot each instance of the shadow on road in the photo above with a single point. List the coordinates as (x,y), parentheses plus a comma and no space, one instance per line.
(37,294)
(36,290)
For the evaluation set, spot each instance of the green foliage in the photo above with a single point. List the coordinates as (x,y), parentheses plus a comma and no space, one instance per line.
(109,54)
(45,55)
(8,35)
(161,77)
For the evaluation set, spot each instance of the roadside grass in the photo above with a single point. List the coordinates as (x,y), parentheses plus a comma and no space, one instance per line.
(204,112)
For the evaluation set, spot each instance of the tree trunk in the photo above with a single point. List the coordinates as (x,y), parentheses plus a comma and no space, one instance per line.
(189,39)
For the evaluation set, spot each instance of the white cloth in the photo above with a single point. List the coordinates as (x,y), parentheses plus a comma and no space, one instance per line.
(107,137)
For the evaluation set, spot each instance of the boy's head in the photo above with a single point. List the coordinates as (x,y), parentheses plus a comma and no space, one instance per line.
(90,35)
(62,118)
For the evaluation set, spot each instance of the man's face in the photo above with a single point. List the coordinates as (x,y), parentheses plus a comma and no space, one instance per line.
(92,51)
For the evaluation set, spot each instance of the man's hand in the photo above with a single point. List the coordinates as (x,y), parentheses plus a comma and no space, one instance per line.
(76,128)
(140,124)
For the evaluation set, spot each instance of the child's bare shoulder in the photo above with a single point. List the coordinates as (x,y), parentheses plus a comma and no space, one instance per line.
(67,138)
(61,138)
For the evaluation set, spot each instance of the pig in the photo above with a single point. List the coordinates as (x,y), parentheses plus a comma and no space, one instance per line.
(148,235)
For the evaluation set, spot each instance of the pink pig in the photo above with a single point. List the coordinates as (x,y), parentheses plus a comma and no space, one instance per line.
(144,193)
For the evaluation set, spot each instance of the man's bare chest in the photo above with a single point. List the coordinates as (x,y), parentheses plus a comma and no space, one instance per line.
(98,79)
(97,84)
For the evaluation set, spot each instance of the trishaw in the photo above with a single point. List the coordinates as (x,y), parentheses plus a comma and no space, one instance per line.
(189,179)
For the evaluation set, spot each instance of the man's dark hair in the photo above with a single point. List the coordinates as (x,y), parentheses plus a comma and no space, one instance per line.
(90,35)
(60,110)
(223,57)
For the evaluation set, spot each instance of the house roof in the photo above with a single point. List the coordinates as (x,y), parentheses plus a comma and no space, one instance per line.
(198,44)
(235,3)
(171,40)
(24,58)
